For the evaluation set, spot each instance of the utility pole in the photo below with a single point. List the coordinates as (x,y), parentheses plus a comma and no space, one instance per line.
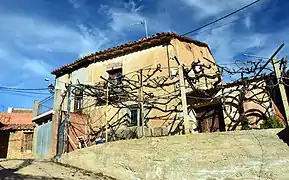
(281,88)
(67,117)
(106,111)
(183,95)
(184,98)
(141,113)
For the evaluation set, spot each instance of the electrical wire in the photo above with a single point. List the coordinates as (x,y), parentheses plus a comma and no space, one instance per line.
(20,94)
(224,17)
(226,24)
(24,92)
(22,89)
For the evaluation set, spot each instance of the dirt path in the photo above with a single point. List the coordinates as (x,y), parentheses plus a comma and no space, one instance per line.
(34,169)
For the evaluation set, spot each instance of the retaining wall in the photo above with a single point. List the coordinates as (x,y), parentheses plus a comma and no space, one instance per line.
(255,154)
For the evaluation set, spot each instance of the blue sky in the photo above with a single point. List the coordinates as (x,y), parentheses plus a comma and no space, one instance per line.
(38,36)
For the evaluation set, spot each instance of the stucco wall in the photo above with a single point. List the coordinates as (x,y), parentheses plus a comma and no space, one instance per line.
(255,154)
(130,64)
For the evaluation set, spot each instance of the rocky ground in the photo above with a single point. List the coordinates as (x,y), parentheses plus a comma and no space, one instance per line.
(34,169)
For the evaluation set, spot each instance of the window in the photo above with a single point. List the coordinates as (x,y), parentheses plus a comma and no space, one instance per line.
(115,76)
(27,142)
(133,116)
(78,99)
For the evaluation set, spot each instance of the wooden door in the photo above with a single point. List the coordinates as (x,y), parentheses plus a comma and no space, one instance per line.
(4,140)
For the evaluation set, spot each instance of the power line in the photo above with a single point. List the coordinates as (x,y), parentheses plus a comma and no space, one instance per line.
(231,22)
(23,89)
(20,94)
(24,92)
(219,19)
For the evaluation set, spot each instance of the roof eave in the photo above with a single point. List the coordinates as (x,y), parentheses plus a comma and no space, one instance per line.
(124,49)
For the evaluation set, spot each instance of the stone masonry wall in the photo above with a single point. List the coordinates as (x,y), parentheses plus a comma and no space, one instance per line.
(15,144)
(255,154)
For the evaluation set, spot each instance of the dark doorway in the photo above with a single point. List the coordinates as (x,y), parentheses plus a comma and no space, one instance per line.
(4,139)
(210,118)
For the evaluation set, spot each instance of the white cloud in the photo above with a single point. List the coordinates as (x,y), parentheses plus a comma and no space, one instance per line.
(248,22)
(130,18)
(236,38)
(38,67)
(38,36)
(74,3)
(204,8)
(122,18)
(226,43)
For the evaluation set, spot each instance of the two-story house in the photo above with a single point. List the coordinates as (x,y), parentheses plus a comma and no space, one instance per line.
(137,84)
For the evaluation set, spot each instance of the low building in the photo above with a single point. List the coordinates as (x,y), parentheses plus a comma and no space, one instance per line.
(48,121)
(16,133)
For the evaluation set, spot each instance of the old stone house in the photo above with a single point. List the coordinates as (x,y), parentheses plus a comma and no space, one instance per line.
(16,133)
(160,59)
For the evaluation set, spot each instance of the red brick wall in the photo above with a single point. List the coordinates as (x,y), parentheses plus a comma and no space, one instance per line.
(76,129)
(16,118)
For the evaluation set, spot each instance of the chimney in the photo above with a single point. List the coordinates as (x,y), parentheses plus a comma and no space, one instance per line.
(10,109)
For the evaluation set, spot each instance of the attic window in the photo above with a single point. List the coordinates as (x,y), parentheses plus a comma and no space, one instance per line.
(115,76)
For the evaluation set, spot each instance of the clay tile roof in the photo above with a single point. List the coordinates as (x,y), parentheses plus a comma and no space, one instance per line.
(129,47)
(16,118)
(16,121)
(8,127)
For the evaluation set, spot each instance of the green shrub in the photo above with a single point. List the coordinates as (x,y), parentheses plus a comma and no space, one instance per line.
(245,124)
(272,122)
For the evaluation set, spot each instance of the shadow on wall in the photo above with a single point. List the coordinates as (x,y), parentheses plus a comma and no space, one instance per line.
(11,173)
(284,135)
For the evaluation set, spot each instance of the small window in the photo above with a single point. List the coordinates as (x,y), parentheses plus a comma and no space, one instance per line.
(133,116)
(78,100)
(115,76)
(27,142)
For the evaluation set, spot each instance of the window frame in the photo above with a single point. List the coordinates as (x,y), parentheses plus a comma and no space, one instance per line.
(78,101)
(27,143)
(116,75)
(136,116)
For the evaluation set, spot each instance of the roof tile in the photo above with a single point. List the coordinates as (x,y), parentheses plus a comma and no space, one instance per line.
(16,118)
(128,47)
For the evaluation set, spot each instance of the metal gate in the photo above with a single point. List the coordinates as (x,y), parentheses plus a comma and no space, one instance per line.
(43,143)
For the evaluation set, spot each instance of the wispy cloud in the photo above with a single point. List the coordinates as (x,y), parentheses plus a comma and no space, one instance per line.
(125,18)
(207,8)
(227,44)
(37,37)
(74,3)
(37,67)
(229,41)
